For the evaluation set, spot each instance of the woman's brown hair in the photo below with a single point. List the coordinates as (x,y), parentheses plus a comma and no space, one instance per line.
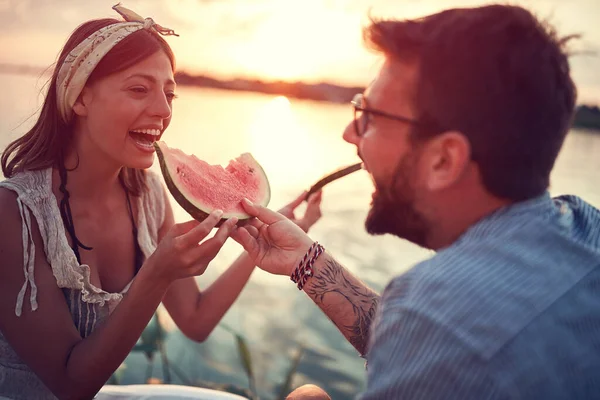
(44,145)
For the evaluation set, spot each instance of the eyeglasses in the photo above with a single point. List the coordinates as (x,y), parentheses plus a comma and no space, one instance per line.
(362,118)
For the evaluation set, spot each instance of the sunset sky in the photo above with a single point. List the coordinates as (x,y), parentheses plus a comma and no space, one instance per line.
(310,40)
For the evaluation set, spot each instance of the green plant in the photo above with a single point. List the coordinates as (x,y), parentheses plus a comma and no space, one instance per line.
(286,387)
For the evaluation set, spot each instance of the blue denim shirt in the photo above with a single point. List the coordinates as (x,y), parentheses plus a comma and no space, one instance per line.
(510,311)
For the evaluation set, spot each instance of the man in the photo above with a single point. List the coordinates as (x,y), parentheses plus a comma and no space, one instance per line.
(460,131)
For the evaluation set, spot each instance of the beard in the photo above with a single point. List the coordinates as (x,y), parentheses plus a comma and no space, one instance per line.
(393,210)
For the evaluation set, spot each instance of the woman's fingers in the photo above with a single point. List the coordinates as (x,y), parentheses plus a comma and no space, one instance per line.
(211,247)
(195,235)
(316,197)
(203,254)
(184,227)
(314,205)
(312,213)
(226,228)
(296,202)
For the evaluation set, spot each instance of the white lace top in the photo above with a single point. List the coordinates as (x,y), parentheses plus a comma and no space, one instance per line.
(88,303)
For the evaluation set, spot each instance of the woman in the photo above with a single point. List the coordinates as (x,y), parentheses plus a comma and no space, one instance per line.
(81,217)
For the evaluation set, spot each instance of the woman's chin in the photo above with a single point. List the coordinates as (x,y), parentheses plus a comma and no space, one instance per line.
(141,162)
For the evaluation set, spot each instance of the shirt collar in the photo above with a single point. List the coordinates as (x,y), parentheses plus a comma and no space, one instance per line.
(536,207)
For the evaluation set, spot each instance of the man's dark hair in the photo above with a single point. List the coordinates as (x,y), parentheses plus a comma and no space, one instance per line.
(498,75)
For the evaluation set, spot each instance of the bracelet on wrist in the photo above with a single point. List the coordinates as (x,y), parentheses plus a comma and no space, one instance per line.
(304,270)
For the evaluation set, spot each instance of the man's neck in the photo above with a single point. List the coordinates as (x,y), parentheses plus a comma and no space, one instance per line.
(458,218)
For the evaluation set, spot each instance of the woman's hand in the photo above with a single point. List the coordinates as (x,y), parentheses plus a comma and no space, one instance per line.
(312,213)
(180,253)
(273,241)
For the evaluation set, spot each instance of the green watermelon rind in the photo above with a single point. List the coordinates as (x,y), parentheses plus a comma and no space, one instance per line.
(188,206)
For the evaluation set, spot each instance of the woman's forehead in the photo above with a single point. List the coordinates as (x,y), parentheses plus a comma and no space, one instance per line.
(157,69)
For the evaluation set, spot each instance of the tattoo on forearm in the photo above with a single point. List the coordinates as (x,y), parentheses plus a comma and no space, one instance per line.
(334,279)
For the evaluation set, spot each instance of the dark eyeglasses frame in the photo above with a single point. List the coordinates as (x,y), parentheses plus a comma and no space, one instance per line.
(358,104)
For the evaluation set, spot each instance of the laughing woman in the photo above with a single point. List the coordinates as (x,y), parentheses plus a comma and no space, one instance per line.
(89,246)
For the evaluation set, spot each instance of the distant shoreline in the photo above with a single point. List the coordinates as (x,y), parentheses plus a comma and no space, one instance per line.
(326,92)
(586,116)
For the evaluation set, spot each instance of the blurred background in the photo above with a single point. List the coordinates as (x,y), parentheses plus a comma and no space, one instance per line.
(272,77)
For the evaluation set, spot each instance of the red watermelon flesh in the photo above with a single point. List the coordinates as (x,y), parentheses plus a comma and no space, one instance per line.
(200,187)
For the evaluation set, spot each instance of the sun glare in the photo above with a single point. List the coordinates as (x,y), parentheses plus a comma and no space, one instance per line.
(299,42)
(279,143)
(281,101)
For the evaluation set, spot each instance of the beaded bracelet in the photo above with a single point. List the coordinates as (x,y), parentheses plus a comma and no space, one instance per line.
(304,270)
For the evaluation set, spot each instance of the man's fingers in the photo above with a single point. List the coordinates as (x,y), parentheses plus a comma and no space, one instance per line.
(262,213)
(245,239)
(252,231)
(255,223)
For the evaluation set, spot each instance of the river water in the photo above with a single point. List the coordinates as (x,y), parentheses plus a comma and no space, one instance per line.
(296,142)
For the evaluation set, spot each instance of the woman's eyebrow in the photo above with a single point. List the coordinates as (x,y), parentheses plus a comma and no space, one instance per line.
(148,77)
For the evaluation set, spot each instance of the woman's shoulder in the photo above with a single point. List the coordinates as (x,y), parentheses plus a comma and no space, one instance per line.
(8,202)
(11,210)
(20,191)
(28,182)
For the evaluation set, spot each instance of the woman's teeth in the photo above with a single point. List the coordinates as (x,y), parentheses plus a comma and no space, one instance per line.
(145,137)
(153,132)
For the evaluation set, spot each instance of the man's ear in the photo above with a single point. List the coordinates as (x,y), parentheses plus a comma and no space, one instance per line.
(80,107)
(446,157)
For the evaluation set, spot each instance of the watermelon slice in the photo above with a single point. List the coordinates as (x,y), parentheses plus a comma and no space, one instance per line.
(200,188)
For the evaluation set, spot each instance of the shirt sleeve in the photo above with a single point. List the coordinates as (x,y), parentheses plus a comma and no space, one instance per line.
(413,357)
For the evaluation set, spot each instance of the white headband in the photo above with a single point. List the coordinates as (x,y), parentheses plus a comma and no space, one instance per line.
(81,61)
